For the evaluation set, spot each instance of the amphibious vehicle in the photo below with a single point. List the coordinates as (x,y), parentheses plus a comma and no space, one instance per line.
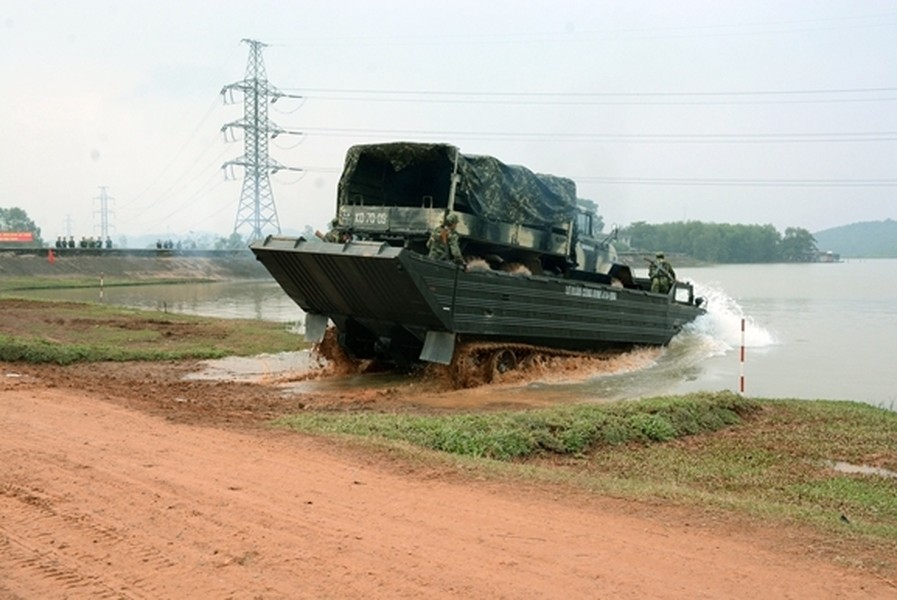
(539,278)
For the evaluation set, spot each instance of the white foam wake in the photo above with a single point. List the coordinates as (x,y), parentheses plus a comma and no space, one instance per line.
(719,331)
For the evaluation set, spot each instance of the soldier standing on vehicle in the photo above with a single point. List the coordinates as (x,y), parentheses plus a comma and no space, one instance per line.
(662,274)
(443,243)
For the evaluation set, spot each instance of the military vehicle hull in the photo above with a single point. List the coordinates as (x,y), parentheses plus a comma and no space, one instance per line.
(392,303)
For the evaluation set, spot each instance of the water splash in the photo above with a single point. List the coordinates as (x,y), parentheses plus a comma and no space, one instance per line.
(637,373)
(714,334)
(721,326)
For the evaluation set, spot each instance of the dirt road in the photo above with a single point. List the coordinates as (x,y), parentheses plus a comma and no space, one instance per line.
(107,494)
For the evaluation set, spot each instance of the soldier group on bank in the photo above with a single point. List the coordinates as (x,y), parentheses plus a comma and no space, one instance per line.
(85,242)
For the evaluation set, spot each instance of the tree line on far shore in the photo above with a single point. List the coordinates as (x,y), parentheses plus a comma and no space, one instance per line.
(710,242)
(722,242)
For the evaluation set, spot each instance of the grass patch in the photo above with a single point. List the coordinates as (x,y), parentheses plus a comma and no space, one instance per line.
(10,285)
(68,332)
(770,459)
(569,430)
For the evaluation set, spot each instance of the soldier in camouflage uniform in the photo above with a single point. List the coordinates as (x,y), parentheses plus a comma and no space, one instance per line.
(662,274)
(333,236)
(443,242)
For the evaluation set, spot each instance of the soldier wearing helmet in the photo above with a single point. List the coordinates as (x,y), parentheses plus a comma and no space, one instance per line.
(334,235)
(662,274)
(443,243)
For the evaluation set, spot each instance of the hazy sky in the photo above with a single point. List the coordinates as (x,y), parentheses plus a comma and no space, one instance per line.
(781,112)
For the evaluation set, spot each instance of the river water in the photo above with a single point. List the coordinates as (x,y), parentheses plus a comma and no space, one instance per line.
(811,331)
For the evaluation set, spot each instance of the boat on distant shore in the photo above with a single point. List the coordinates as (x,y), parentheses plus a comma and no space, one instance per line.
(827,257)
(538,277)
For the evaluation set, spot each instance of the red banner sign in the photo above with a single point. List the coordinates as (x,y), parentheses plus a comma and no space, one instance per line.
(16,236)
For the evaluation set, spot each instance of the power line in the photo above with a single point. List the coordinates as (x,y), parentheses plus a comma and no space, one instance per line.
(671,181)
(597,102)
(455,93)
(210,186)
(173,159)
(519,98)
(174,156)
(652,138)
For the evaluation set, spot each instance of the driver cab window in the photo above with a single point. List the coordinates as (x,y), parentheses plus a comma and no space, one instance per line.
(584,224)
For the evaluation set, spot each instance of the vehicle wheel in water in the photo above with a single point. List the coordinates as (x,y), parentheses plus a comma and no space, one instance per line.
(502,361)
(466,369)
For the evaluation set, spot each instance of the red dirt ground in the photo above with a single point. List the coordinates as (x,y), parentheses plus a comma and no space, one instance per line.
(124,481)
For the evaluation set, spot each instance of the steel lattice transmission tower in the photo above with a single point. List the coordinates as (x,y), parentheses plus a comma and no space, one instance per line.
(257,209)
(103,213)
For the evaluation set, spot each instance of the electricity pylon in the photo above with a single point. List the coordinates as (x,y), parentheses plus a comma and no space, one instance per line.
(257,207)
(103,213)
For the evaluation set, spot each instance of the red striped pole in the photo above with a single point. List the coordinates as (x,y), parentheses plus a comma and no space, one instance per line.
(741,376)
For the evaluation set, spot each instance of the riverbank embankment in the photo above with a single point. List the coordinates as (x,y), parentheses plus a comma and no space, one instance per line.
(131,264)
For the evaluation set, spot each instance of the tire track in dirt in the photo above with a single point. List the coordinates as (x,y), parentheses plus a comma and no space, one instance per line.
(181,492)
(30,546)
(54,537)
(98,500)
(74,540)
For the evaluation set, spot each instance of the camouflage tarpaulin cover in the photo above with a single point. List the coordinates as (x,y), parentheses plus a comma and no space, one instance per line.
(488,188)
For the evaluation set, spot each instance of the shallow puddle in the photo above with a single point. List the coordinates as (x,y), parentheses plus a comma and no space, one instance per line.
(260,368)
(554,382)
(845,467)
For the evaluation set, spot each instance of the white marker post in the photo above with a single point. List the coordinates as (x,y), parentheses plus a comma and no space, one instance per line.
(741,375)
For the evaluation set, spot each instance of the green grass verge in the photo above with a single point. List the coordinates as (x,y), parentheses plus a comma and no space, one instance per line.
(68,332)
(11,285)
(564,430)
(770,459)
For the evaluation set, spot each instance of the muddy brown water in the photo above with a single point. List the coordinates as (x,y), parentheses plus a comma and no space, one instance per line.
(558,381)
(804,323)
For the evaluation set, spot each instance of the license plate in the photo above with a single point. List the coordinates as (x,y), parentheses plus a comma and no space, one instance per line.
(371,219)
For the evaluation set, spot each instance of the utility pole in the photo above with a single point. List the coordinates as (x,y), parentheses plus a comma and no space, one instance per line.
(256,209)
(103,212)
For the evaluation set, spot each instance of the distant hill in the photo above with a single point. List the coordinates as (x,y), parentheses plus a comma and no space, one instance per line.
(869,239)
